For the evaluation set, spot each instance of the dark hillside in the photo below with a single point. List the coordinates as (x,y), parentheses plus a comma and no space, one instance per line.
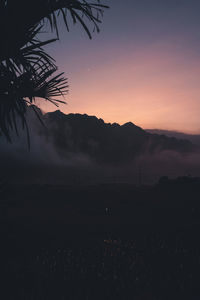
(106,142)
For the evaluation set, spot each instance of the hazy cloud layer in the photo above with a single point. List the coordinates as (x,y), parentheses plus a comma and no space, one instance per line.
(46,163)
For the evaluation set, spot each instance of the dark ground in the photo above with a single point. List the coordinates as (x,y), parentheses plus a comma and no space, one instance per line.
(60,242)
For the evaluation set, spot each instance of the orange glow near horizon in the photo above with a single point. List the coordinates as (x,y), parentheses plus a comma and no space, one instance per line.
(158,87)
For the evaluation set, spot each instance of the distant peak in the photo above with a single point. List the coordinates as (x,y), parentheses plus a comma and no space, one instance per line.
(127,124)
(131,125)
(57,112)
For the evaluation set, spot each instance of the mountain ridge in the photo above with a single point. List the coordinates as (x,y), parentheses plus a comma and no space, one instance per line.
(194,138)
(107,142)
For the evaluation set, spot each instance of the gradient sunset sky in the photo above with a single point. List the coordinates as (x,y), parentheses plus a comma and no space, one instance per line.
(143,67)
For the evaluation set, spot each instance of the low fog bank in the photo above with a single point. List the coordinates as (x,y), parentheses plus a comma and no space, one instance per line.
(47,163)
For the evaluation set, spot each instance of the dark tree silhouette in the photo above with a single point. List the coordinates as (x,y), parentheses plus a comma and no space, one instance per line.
(26,70)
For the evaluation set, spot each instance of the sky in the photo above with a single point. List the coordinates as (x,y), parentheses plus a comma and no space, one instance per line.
(143,66)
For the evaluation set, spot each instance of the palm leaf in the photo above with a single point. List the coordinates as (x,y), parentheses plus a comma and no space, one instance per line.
(16,92)
(27,72)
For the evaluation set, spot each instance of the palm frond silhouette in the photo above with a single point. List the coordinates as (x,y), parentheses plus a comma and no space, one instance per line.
(27,71)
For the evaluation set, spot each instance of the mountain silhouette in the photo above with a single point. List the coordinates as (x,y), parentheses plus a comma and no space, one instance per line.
(106,142)
(194,138)
(77,148)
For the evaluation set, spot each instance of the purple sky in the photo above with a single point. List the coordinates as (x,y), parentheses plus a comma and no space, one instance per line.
(143,67)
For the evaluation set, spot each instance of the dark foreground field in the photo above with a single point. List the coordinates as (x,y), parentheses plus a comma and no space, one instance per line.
(101,242)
